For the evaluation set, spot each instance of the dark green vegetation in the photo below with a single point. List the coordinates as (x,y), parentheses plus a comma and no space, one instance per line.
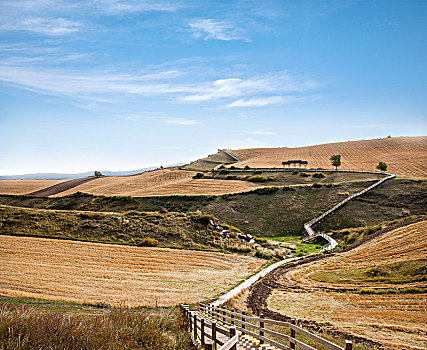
(392,273)
(273,211)
(397,198)
(53,325)
(174,230)
(281,178)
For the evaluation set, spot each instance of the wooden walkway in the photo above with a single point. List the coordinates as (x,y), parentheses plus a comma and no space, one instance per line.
(215,328)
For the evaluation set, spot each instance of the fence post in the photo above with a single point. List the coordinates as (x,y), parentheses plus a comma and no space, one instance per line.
(261,325)
(232,317)
(243,320)
(195,326)
(209,345)
(223,317)
(232,334)
(214,335)
(191,324)
(293,333)
(202,331)
(348,345)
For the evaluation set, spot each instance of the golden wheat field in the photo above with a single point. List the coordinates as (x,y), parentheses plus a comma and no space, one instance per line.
(25,186)
(114,274)
(396,320)
(403,155)
(159,182)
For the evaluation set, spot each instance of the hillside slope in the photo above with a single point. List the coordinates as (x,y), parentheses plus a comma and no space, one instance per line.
(338,290)
(403,155)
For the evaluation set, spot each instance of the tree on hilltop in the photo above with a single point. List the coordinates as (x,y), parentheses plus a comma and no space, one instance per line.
(335,160)
(382,166)
(98,174)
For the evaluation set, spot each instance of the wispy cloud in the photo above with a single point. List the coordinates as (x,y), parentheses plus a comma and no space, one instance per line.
(118,7)
(259,101)
(209,29)
(260,132)
(44,26)
(181,121)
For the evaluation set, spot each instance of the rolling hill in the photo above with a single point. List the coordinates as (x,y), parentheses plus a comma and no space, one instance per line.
(403,155)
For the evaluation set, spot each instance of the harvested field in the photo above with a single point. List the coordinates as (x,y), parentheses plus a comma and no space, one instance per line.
(158,182)
(113,274)
(403,155)
(61,187)
(25,186)
(320,291)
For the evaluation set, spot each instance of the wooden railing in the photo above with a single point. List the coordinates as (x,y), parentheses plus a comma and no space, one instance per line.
(251,326)
(205,333)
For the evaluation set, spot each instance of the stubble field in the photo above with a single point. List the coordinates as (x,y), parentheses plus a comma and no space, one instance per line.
(117,275)
(25,186)
(403,155)
(329,290)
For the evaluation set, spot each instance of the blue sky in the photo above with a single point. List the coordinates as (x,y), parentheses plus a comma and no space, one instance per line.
(120,85)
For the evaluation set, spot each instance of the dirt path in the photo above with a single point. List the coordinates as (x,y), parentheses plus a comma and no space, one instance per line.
(61,187)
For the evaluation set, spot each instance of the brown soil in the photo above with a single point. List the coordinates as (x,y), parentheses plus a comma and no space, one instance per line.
(61,187)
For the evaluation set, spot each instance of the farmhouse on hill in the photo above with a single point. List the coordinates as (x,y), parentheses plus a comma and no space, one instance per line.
(289,163)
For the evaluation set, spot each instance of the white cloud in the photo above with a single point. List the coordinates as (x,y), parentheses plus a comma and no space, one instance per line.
(118,7)
(179,121)
(44,26)
(260,132)
(208,29)
(259,101)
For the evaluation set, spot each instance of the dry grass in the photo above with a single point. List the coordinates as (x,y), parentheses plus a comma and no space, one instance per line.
(25,327)
(396,320)
(25,186)
(158,182)
(403,155)
(117,275)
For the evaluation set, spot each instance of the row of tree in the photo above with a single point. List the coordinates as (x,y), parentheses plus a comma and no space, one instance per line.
(336,162)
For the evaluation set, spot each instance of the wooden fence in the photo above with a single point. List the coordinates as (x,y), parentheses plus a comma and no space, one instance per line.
(216,328)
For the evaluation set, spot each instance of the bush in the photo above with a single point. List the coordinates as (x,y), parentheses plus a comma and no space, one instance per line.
(232,167)
(231,177)
(198,176)
(288,188)
(304,175)
(295,172)
(163,210)
(257,172)
(247,167)
(265,190)
(148,242)
(204,219)
(319,175)
(257,179)
(240,249)
(316,185)
(260,240)
(224,172)
(263,255)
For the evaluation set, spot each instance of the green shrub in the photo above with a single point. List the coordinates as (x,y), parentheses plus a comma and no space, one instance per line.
(224,172)
(231,177)
(316,185)
(198,176)
(263,255)
(247,167)
(148,242)
(232,167)
(295,172)
(319,175)
(257,172)
(204,219)
(265,190)
(163,210)
(260,240)
(240,249)
(288,188)
(304,175)
(257,179)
